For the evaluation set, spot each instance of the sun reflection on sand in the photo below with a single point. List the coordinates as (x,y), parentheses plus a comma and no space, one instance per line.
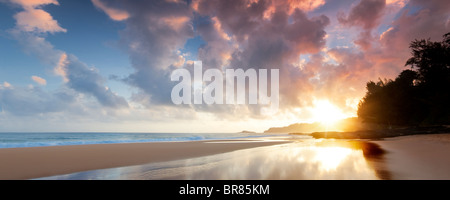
(331,157)
(309,159)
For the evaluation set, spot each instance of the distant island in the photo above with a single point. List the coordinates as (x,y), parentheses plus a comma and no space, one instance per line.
(379,134)
(245,131)
(349,124)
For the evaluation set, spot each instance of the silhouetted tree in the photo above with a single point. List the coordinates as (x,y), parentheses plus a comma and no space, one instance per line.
(432,61)
(416,96)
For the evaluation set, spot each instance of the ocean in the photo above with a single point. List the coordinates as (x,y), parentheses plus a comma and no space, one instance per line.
(19,140)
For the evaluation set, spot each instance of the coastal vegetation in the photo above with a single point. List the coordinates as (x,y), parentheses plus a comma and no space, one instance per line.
(417,101)
(419,95)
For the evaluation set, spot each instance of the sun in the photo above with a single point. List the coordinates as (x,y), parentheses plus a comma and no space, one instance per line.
(326,113)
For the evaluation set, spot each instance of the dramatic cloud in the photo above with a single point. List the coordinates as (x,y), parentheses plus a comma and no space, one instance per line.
(154,34)
(381,54)
(306,5)
(366,14)
(217,51)
(277,42)
(238,34)
(325,50)
(429,19)
(242,35)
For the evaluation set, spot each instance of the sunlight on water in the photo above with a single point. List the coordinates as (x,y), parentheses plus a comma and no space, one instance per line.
(331,157)
(308,159)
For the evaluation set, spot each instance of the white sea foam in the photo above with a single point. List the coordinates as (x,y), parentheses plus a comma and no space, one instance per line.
(19,140)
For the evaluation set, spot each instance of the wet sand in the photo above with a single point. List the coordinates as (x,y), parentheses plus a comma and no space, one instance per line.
(36,162)
(417,157)
(301,159)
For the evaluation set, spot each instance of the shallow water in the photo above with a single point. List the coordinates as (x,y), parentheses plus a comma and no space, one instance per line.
(305,159)
(19,140)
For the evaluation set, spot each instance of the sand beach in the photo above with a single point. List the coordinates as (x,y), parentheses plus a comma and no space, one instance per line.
(414,157)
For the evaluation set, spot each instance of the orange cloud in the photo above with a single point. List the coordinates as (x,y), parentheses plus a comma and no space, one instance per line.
(6,84)
(305,5)
(39,80)
(114,14)
(176,23)
(60,68)
(37,20)
(34,3)
(291,5)
(220,31)
(400,3)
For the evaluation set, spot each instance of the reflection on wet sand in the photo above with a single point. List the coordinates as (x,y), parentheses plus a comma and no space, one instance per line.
(310,159)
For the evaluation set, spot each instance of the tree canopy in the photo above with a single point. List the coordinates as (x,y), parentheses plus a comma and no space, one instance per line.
(418,96)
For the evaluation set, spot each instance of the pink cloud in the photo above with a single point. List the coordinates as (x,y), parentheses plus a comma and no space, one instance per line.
(217,52)
(6,85)
(37,20)
(34,3)
(274,34)
(34,19)
(113,13)
(365,14)
(305,5)
(39,80)
(430,21)
(61,67)
(176,23)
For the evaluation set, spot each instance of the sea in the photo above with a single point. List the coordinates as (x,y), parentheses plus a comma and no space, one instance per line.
(20,140)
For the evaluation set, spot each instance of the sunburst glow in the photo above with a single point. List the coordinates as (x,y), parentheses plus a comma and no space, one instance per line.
(326,113)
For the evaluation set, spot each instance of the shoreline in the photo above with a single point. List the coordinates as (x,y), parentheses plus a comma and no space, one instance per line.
(416,157)
(38,162)
(410,153)
(378,134)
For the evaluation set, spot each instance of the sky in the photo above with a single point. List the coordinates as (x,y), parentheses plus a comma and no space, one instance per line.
(105,65)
